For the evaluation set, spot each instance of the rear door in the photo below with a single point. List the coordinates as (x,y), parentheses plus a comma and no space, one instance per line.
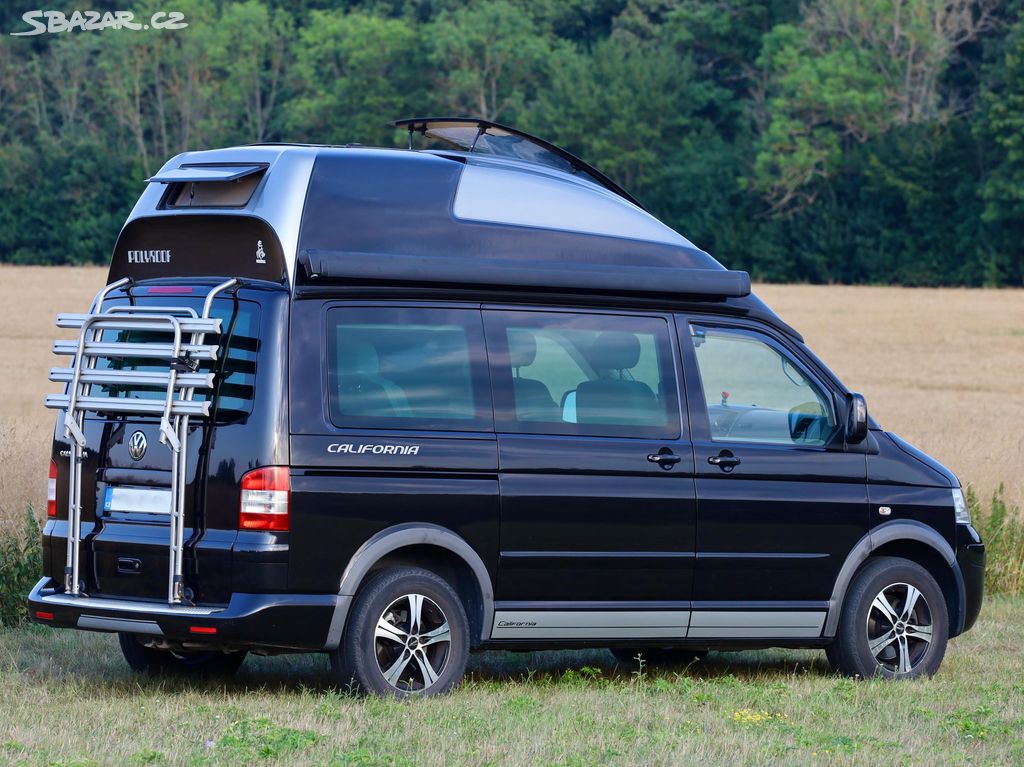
(391,424)
(597,491)
(779,504)
(129,544)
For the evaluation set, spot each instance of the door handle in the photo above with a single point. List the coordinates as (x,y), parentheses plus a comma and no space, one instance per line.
(725,461)
(665,460)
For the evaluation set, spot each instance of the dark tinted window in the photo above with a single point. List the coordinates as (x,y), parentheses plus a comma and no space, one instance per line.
(407,368)
(586,374)
(235,366)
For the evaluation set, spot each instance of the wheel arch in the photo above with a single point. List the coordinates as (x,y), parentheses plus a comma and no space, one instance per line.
(912,540)
(427,545)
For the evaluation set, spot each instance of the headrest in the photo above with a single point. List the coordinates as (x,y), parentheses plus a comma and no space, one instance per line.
(359,359)
(615,350)
(522,348)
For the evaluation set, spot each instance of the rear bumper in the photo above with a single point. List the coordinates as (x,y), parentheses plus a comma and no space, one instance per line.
(298,622)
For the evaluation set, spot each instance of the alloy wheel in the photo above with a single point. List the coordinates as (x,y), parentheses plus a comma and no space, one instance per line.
(899,628)
(412,643)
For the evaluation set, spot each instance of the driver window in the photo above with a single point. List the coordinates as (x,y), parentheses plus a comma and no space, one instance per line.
(756,393)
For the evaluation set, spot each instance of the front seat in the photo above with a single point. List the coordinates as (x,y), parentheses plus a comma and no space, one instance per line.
(533,399)
(614,397)
(363,391)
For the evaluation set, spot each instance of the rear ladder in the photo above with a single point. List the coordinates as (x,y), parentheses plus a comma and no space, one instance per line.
(180,381)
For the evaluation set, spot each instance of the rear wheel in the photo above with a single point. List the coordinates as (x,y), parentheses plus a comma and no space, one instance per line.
(149,660)
(408,634)
(657,656)
(894,623)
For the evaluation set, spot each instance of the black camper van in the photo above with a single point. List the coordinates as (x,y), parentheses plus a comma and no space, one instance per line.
(402,405)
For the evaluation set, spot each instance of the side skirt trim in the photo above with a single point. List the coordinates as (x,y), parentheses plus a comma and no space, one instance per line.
(589,624)
(657,624)
(766,623)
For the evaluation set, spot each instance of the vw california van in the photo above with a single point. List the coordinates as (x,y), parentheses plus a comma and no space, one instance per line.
(401,405)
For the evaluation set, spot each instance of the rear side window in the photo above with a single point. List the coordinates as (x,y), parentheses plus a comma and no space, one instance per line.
(234,384)
(583,374)
(407,368)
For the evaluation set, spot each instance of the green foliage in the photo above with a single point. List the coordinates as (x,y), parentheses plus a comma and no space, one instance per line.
(833,140)
(21,562)
(1002,530)
(1002,128)
(353,71)
(490,59)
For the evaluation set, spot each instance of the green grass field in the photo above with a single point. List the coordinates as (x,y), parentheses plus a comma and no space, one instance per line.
(67,698)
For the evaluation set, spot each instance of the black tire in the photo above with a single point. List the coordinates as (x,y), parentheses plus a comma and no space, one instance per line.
(882,639)
(658,656)
(392,597)
(147,660)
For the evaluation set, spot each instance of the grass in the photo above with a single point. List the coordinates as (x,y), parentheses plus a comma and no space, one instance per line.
(67,698)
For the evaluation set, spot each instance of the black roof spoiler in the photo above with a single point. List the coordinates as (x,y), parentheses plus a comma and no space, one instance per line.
(446,129)
(377,268)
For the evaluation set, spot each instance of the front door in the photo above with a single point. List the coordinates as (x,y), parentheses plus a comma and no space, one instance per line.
(595,475)
(780,505)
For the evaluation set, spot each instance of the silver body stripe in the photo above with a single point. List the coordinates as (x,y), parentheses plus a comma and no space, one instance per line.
(589,624)
(761,623)
(655,624)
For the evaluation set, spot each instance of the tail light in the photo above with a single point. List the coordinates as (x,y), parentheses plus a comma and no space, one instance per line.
(265,499)
(51,491)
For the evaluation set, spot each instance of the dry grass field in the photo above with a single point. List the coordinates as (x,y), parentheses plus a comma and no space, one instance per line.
(943,368)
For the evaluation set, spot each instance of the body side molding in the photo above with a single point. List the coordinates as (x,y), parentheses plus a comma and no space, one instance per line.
(896,530)
(397,537)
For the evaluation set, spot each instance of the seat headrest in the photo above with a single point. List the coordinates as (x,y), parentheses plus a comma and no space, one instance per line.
(522,348)
(359,359)
(615,350)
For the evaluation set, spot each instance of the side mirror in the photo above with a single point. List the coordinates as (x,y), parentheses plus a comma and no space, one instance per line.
(856,418)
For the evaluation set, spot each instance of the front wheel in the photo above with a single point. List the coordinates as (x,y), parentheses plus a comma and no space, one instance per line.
(408,634)
(894,623)
(149,660)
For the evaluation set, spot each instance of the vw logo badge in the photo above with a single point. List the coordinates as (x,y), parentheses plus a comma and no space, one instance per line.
(137,445)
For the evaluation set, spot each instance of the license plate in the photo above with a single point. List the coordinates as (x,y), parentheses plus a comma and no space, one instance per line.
(140,500)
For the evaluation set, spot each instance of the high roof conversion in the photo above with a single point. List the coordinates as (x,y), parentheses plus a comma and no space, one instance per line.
(503,209)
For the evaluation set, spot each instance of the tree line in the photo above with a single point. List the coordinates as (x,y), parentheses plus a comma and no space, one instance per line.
(847,141)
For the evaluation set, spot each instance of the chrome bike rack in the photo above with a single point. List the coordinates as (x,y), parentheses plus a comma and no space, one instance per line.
(179,381)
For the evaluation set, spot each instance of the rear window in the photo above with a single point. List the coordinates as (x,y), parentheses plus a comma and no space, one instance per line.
(213,194)
(235,366)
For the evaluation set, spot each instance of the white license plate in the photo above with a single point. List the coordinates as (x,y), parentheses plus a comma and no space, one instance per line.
(141,500)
